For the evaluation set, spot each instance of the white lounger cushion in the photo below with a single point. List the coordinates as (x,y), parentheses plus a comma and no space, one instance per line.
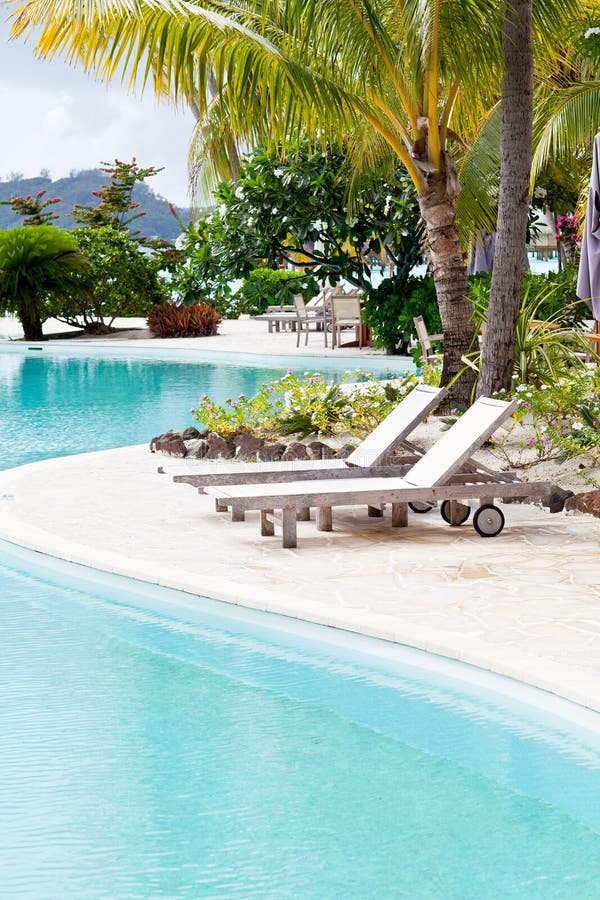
(396,426)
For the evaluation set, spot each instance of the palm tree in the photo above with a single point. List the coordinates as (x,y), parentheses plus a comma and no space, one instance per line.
(395,79)
(513,205)
(37,264)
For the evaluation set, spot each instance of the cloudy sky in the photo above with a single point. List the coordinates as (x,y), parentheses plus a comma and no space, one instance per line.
(55,117)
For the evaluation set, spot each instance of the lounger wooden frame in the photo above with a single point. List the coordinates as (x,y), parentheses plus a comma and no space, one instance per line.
(370,492)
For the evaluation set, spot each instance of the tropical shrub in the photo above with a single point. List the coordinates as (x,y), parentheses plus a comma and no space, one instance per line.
(545,341)
(551,293)
(389,310)
(122,280)
(269,287)
(555,421)
(305,405)
(172,320)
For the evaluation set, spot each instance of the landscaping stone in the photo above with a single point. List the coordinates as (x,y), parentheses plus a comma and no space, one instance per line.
(247,446)
(192,433)
(587,502)
(170,442)
(558,499)
(345,451)
(218,447)
(315,449)
(295,450)
(271,452)
(196,449)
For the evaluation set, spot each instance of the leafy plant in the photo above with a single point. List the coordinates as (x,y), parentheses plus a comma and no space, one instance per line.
(172,320)
(290,206)
(121,280)
(295,405)
(270,287)
(39,266)
(544,346)
(391,307)
(556,421)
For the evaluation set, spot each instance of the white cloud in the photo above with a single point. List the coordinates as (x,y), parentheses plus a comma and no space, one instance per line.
(56,118)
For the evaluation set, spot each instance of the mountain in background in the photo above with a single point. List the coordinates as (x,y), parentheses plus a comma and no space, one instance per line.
(77,188)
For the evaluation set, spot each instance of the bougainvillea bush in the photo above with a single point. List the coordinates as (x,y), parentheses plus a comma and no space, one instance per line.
(171,320)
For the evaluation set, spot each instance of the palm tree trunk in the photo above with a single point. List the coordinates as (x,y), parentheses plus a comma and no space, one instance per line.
(513,207)
(29,317)
(450,275)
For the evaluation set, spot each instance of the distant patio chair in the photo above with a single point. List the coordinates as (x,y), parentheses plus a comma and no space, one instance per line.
(345,313)
(428,354)
(306,317)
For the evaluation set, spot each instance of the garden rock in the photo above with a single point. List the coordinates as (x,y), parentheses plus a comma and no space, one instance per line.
(558,499)
(315,450)
(587,502)
(191,433)
(196,449)
(345,451)
(170,442)
(247,446)
(271,452)
(295,450)
(218,447)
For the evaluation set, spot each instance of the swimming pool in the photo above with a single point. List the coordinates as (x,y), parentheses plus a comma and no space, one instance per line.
(154,751)
(62,399)
(150,751)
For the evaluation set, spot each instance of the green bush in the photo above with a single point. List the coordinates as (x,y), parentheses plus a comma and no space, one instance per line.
(390,308)
(552,295)
(171,320)
(306,405)
(269,287)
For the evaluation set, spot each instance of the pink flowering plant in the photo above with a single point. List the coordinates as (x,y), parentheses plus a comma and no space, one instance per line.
(567,229)
(35,210)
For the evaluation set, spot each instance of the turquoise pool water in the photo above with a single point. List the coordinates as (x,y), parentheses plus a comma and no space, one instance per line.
(61,400)
(167,756)
(150,751)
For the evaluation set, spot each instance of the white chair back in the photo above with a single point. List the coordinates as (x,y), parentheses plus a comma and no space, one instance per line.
(456,445)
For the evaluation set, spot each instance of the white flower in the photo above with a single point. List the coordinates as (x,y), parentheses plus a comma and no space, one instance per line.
(249,221)
(239,192)
(279,173)
(222,210)
(540,193)
(319,225)
(591,31)
(521,388)
(577,426)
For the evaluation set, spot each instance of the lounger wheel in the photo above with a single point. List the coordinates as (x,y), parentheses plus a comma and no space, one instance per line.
(488,521)
(461,512)
(419,507)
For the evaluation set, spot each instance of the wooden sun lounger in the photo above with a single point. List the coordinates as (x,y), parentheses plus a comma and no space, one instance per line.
(372,455)
(435,477)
